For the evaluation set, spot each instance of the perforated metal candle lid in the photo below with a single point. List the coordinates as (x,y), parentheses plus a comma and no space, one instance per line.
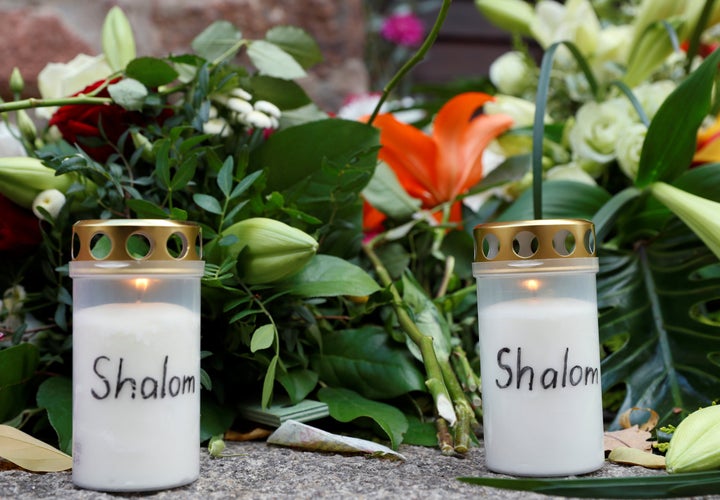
(534,239)
(138,240)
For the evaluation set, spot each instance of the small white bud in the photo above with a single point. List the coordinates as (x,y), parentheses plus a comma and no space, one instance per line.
(257,119)
(239,105)
(216,126)
(268,108)
(51,200)
(241,93)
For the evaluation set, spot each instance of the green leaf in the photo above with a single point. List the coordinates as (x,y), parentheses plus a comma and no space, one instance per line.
(145,209)
(18,367)
(225,176)
(296,42)
(656,486)
(561,199)
(285,94)
(214,418)
(420,433)
(219,39)
(128,93)
(346,406)
(151,71)
(671,138)
(653,303)
(385,193)
(208,203)
(55,395)
(605,217)
(293,154)
(427,317)
(269,382)
(365,361)
(262,338)
(271,60)
(298,383)
(328,276)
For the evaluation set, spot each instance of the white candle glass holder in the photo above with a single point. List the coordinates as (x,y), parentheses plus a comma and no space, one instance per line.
(136,354)
(539,347)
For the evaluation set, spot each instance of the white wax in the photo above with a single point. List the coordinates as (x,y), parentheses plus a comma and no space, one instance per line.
(555,426)
(145,438)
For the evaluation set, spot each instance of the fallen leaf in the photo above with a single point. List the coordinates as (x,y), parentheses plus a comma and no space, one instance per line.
(256,433)
(651,418)
(633,456)
(298,435)
(29,453)
(632,437)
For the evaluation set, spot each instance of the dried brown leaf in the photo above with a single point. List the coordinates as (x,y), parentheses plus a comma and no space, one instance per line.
(30,453)
(256,433)
(651,420)
(633,456)
(632,437)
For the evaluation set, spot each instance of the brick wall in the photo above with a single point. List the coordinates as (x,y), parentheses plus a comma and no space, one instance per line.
(39,31)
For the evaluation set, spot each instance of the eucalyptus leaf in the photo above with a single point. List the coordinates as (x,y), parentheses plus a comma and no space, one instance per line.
(365,361)
(262,338)
(296,42)
(55,395)
(346,405)
(208,202)
(328,276)
(151,71)
(217,40)
(272,60)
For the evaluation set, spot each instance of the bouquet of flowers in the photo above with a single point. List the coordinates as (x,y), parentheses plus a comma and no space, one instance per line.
(338,252)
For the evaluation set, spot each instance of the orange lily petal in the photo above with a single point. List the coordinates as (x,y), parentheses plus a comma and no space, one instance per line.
(461,139)
(709,153)
(411,154)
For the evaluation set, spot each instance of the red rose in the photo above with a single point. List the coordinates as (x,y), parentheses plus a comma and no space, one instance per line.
(19,228)
(97,128)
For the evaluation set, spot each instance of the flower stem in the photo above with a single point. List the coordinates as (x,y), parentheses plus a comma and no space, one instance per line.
(435,381)
(416,58)
(34,102)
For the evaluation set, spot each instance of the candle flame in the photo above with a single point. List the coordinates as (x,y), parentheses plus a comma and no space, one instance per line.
(141,284)
(532,285)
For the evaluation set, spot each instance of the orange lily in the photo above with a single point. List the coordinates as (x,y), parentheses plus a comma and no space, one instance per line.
(436,168)
(708,144)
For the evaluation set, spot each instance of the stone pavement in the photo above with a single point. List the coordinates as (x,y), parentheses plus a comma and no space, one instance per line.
(262,471)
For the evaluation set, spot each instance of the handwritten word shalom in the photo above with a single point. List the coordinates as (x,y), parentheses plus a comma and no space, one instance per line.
(114,383)
(519,375)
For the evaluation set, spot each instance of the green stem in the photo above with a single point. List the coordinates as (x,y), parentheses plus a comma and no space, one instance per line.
(435,380)
(466,417)
(34,102)
(416,58)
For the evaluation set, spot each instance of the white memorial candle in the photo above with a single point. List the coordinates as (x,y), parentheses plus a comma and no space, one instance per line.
(541,386)
(136,396)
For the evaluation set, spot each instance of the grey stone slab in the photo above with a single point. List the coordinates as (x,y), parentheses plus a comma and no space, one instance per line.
(264,472)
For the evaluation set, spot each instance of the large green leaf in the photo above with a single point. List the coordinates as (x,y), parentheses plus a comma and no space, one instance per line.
(427,317)
(294,154)
(55,395)
(672,136)
(346,406)
(365,361)
(651,301)
(328,276)
(18,366)
(296,42)
(272,60)
(218,39)
(561,199)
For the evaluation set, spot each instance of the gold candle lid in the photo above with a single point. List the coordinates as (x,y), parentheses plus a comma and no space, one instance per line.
(534,239)
(136,240)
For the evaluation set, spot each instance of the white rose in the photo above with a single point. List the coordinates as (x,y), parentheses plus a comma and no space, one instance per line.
(9,143)
(575,22)
(612,52)
(58,80)
(652,95)
(629,147)
(510,73)
(597,128)
(520,110)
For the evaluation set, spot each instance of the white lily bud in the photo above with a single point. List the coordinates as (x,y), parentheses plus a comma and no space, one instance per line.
(239,105)
(241,93)
(257,119)
(51,200)
(268,108)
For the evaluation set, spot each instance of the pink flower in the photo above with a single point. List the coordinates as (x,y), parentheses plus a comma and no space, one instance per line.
(403,29)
